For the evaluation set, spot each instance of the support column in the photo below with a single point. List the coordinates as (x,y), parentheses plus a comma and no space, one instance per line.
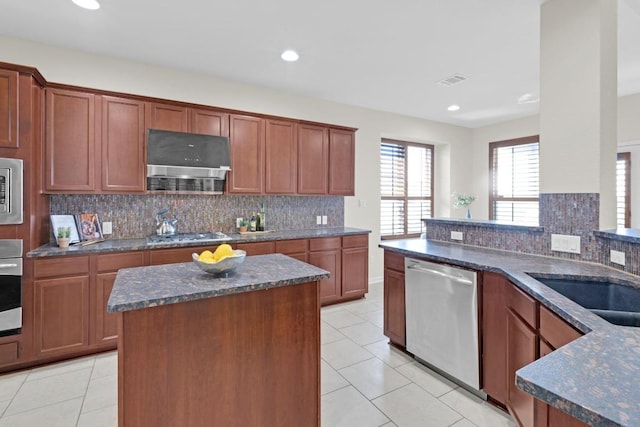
(578,100)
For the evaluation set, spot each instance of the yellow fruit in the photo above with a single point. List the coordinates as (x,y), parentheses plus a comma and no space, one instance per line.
(205,256)
(223,251)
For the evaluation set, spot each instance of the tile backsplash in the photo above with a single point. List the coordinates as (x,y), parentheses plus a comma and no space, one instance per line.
(133,216)
(574,214)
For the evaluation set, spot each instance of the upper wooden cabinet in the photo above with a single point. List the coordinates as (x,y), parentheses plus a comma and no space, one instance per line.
(184,119)
(94,143)
(8,109)
(342,158)
(246,135)
(313,159)
(70,141)
(281,157)
(123,130)
(167,117)
(326,160)
(209,122)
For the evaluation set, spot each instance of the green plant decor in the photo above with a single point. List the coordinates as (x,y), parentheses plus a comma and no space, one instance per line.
(64,232)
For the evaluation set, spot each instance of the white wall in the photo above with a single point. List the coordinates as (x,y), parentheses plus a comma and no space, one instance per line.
(84,69)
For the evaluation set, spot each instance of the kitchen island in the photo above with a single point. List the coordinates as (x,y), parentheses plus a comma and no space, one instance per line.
(198,350)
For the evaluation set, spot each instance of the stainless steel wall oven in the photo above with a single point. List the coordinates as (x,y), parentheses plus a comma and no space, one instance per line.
(10,287)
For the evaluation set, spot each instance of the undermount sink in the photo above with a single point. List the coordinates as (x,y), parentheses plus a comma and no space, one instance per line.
(616,303)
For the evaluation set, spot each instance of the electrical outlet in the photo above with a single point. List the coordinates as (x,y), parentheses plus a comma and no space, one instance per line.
(318,220)
(324,220)
(238,221)
(617,257)
(565,243)
(107,227)
(456,235)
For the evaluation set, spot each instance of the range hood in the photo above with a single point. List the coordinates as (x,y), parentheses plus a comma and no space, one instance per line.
(179,161)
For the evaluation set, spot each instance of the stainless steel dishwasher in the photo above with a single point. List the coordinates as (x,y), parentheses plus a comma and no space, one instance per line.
(442,319)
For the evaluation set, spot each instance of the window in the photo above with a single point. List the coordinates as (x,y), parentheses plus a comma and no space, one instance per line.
(623,190)
(406,188)
(514,186)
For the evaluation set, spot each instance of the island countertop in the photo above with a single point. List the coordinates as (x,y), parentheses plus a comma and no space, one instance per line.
(151,286)
(594,378)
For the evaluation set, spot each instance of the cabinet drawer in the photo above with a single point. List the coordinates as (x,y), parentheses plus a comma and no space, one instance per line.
(257,248)
(554,330)
(114,262)
(522,304)
(291,246)
(8,353)
(60,266)
(325,243)
(172,256)
(359,241)
(394,261)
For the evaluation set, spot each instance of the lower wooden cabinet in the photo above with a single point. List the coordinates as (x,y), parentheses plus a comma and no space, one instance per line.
(494,336)
(329,260)
(355,266)
(522,349)
(394,307)
(61,315)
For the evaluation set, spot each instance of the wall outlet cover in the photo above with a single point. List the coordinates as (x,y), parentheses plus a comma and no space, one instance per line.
(324,220)
(617,257)
(318,220)
(456,235)
(107,227)
(238,221)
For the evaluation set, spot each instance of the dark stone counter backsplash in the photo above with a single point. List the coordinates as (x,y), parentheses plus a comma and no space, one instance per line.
(133,216)
(573,214)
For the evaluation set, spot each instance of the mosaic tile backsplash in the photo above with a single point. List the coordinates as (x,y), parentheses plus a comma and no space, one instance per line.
(133,216)
(571,213)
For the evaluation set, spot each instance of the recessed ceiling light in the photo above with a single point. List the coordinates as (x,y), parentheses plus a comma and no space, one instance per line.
(290,55)
(87,4)
(453,107)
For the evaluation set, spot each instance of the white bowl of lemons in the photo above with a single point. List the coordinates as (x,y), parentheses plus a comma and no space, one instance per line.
(223,260)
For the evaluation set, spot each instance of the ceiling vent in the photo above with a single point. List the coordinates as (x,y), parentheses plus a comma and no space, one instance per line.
(452,80)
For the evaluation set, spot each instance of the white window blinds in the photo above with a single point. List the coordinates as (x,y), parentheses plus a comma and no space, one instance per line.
(623,190)
(515,180)
(406,188)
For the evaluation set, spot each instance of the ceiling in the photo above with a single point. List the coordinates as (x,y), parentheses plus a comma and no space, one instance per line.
(379,54)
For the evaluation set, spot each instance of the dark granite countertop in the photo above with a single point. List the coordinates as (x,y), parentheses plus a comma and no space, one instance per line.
(595,378)
(123,245)
(152,286)
(624,234)
(487,223)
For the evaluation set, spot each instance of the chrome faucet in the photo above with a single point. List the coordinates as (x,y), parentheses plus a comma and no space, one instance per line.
(165,226)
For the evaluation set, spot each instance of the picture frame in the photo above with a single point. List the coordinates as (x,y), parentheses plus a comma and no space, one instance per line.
(89,227)
(65,221)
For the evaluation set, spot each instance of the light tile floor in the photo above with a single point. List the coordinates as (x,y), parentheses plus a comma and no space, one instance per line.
(365,382)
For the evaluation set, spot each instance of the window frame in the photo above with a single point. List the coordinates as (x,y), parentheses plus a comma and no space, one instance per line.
(492,191)
(406,197)
(626,157)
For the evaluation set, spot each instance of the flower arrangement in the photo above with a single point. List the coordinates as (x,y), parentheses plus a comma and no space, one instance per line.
(462,200)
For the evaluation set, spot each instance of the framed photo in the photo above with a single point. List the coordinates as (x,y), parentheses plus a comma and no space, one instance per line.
(89,227)
(65,221)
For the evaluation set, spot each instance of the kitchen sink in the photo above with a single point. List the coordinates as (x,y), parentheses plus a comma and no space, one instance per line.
(616,303)
(189,237)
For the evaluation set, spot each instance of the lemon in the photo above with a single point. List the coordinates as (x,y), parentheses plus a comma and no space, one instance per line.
(223,251)
(206,256)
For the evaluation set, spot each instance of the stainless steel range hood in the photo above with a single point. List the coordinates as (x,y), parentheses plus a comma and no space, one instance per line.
(178,161)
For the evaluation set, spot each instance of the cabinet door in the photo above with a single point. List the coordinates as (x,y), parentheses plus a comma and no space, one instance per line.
(106,323)
(494,336)
(355,272)
(70,141)
(330,261)
(8,109)
(394,307)
(123,162)
(167,117)
(209,122)
(61,315)
(281,157)
(313,159)
(257,248)
(522,349)
(342,158)
(246,136)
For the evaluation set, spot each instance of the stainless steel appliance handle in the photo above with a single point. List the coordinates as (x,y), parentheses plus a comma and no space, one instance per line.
(8,265)
(440,273)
